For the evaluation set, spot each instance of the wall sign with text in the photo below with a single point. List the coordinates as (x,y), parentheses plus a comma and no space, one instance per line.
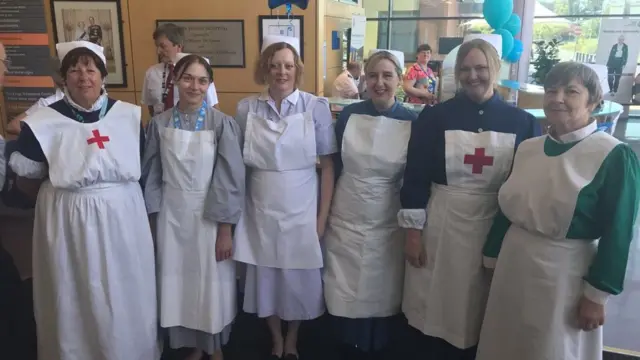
(220,41)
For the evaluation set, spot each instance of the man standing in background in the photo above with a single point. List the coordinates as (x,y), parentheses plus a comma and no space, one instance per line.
(346,84)
(158,92)
(95,32)
(616,63)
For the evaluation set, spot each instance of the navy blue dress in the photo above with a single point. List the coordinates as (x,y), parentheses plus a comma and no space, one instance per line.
(369,334)
(426,164)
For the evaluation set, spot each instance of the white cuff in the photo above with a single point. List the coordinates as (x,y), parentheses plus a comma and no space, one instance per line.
(595,295)
(489,262)
(27,168)
(412,218)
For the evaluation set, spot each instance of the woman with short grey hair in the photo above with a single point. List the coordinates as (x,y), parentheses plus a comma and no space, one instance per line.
(563,232)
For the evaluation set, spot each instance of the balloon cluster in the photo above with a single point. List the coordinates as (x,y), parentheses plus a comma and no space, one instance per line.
(499,15)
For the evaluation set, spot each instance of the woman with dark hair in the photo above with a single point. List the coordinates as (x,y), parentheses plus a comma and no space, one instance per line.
(420,81)
(93,262)
(193,174)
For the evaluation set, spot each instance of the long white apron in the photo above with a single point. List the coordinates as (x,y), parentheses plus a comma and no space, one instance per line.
(447,297)
(93,258)
(364,267)
(538,280)
(196,291)
(278,225)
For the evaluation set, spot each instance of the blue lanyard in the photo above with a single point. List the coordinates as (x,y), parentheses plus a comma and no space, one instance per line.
(199,122)
(103,111)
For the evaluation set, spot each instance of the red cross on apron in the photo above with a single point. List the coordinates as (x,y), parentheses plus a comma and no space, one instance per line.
(98,139)
(478,160)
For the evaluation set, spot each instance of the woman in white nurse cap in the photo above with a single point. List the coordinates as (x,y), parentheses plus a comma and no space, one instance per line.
(285,131)
(93,258)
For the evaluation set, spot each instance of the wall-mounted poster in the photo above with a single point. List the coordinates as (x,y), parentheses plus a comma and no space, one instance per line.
(282,25)
(99,22)
(357,34)
(220,41)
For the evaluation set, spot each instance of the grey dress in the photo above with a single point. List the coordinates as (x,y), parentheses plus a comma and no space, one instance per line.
(223,203)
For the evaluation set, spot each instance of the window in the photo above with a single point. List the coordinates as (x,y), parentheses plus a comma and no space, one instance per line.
(404,34)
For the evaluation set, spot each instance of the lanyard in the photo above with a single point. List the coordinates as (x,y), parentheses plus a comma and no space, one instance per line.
(199,123)
(103,111)
(166,82)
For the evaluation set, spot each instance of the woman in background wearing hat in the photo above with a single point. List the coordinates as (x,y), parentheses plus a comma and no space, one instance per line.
(364,260)
(460,153)
(14,125)
(93,261)
(285,131)
(194,183)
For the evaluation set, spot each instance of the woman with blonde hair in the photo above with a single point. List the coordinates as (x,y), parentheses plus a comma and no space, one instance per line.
(285,132)
(364,259)
(460,153)
(563,233)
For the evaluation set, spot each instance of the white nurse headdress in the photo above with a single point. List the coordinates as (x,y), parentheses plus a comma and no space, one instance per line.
(399,55)
(493,39)
(179,56)
(64,48)
(274,39)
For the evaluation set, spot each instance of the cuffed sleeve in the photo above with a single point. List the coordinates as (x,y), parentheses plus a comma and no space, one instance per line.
(595,295)
(495,237)
(151,179)
(412,218)
(618,206)
(225,198)
(27,168)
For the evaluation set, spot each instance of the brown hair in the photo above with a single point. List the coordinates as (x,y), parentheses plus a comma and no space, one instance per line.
(81,55)
(563,73)
(173,32)
(263,65)
(384,55)
(493,60)
(184,63)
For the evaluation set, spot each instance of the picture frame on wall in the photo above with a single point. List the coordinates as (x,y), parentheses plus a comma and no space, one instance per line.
(282,25)
(99,22)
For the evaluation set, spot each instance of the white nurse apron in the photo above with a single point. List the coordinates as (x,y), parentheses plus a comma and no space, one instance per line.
(278,227)
(538,281)
(93,258)
(196,291)
(364,267)
(446,298)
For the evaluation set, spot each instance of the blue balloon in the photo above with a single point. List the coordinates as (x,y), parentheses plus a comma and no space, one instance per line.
(507,41)
(302,4)
(513,24)
(516,52)
(497,12)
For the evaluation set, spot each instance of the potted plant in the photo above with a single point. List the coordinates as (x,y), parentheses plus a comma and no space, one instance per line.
(546,58)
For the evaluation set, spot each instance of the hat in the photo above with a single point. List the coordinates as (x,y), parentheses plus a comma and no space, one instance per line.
(64,48)
(179,57)
(399,55)
(493,39)
(274,39)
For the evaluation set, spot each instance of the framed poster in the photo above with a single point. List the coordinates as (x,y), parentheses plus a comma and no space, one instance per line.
(282,25)
(99,22)
(220,41)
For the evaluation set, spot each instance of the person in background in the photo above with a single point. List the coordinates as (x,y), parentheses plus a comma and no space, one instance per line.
(15,124)
(364,261)
(285,132)
(420,81)
(553,276)
(93,259)
(193,165)
(459,154)
(95,32)
(159,92)
(616,62)
(346,84)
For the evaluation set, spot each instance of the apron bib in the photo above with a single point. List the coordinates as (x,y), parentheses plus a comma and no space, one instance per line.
(278,227)
(447,297)
(364,255)
(538,320)
(196,291)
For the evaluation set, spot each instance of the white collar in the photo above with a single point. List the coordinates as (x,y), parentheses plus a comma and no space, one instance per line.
(292,98)
(97,105)
(577,135)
